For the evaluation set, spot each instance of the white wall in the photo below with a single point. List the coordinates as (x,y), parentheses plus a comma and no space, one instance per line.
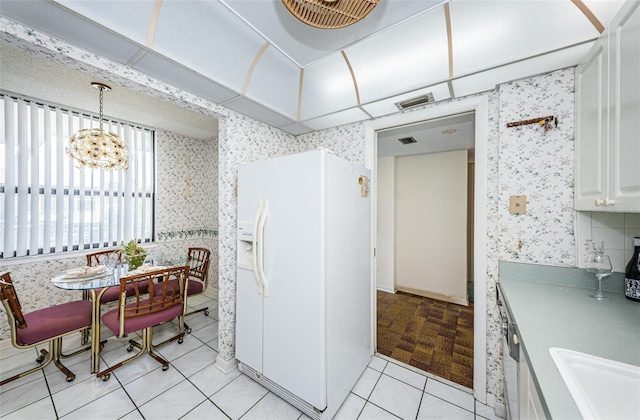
(385,242)
(431,225)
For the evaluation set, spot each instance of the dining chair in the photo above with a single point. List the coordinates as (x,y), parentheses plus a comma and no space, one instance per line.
(198,261)
(47,325)
(165,301)
(111,294)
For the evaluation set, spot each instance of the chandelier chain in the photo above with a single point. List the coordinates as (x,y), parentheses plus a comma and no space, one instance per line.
(100,117)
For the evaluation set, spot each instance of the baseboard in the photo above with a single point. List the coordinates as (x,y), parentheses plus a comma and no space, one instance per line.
(386,289)
(501,410)
(225,366)
(436,296)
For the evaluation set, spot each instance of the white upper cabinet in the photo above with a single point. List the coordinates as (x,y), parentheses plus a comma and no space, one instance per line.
(608,119)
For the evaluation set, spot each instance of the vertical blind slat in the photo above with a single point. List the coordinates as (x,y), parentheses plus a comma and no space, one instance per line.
(111,237)
(34,225)
(82,198)
(23,173)
(136,186)
(143,183)
(69,185)
(128,178)
(59,147)
(120,191)
(10,177)
(47,175)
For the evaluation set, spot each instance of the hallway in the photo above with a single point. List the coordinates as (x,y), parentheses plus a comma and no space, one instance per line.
(431,335)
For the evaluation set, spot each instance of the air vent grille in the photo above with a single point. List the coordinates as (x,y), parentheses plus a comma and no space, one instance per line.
(419,100)
(407,140)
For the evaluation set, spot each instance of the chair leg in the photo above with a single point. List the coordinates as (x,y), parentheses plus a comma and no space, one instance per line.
(56,350)
(145,347)
(43,360)
(180,336)
(46,357)
(82,350)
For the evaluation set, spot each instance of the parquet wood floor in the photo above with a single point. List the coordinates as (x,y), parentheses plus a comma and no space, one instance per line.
(432,335)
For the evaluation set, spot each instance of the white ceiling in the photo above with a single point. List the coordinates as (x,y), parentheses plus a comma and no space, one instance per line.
(253,57)
(37,77)
(433,136)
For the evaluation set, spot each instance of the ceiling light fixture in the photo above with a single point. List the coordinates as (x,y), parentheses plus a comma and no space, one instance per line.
(449,131)
(330,14)
(96,148)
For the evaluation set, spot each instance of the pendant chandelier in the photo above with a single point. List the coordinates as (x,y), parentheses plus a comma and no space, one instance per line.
(330,14)
(96,148)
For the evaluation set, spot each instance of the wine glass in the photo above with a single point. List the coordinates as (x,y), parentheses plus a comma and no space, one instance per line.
(600,265)
(110,261)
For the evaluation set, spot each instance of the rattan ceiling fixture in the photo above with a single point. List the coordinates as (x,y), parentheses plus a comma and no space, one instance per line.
(330,14)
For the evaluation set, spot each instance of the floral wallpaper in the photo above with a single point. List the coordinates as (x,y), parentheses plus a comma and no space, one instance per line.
(187,175)
(524,160)
(537,163)
(241,140)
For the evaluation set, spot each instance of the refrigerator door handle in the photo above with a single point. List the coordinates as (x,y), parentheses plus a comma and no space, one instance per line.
(261,223)
(254,248)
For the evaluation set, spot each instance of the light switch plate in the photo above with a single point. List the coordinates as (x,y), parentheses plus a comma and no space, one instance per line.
(518,204)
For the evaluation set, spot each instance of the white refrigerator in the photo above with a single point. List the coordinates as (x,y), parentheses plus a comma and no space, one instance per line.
(304,291)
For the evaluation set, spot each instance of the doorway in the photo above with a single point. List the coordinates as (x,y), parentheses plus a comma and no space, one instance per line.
(478,105)
(423,209)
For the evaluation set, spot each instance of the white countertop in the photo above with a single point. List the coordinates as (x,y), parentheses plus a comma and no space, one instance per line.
(552,307)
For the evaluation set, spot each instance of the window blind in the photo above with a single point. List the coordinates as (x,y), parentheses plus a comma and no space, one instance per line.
(49,205)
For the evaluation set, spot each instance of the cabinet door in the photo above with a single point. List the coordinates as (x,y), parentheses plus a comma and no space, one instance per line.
(624,109)
(591,128)
(530,402)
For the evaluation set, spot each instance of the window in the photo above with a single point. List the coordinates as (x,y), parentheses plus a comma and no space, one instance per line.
(47,204)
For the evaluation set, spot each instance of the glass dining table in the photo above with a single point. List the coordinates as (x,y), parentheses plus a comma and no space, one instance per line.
(94,284)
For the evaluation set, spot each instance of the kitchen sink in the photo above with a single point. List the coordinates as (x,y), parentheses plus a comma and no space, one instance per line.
(601,388)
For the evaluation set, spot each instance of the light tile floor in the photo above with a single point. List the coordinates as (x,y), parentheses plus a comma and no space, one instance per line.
(193,388)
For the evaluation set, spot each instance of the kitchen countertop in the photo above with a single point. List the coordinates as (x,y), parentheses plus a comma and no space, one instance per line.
(552,307)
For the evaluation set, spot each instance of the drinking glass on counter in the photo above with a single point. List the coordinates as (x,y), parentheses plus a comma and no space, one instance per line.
(600,265)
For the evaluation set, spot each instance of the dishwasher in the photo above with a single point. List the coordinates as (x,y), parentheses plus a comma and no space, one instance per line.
(510,356)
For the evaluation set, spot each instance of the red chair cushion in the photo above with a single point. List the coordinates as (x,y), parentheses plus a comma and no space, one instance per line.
(140,322)
(46,323)
(193,287)
(112,294)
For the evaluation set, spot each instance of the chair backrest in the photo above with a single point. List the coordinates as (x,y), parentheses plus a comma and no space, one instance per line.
(11,302)
(198,260)
(162,292)
(97,258)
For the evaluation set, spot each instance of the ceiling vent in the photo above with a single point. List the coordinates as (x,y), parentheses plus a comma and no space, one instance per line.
(419,100)
(407,140)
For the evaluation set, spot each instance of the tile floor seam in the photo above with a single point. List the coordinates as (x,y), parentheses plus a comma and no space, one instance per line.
(404,382)
(452,403)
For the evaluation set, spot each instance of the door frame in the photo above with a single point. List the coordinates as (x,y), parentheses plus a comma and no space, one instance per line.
(480,106)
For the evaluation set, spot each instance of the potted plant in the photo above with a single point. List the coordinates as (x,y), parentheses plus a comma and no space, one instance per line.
(133,254)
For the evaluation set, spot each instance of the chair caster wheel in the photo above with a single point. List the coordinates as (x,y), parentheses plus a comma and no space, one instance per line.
(180,340)
(130,348)
(71,378)
(187,330)
(206,313)
(40,359)
(106,377)
(165,368)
